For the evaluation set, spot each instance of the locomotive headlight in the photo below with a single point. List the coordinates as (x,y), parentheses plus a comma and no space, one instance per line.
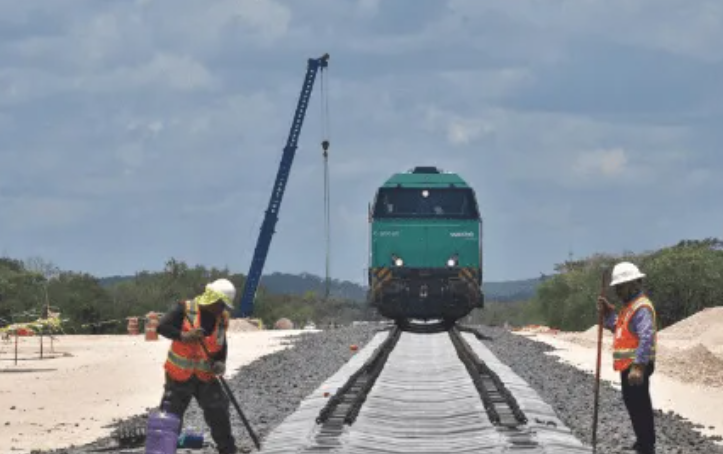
(452,261)
(397,260)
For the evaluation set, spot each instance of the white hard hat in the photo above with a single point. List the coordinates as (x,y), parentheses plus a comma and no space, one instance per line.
(224,287)
(625,272)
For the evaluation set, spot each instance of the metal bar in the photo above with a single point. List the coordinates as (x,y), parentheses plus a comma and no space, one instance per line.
(229,393)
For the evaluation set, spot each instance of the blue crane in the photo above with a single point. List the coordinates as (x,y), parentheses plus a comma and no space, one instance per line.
(282,176)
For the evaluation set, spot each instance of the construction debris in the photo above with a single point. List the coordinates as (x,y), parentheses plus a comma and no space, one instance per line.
(706,325)
(284,323)
(535,329)
(695,364)
(238,325)
(52,324)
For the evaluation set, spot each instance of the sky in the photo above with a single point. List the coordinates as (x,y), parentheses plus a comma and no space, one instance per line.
(133,131)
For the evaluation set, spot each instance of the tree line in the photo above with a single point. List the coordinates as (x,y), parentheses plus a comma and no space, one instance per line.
(681,280)
(86,305)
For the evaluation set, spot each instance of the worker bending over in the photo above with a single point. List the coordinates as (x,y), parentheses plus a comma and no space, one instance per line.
(189,373)
(633,349)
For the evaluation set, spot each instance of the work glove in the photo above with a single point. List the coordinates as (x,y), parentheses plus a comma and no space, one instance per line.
(604,305)
(636,375)
(218,368)
(193,335)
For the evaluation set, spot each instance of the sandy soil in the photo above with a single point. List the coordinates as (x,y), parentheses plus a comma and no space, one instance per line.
(670,389)
(68,397)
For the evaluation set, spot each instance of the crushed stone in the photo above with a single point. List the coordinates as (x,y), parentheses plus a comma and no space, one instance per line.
(701,325)
(241,325)
(694,364)
(570,392)
(268,389)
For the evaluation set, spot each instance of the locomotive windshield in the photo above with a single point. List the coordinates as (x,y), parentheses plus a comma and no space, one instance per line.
(452,203)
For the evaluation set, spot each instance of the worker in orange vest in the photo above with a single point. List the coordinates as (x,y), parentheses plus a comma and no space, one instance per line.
(634,344)
(189,373)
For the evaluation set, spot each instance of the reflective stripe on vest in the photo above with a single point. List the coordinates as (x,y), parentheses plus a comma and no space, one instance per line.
(625,342)
(185,360)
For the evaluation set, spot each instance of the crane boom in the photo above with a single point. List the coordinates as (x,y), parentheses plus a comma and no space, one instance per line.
(282,176)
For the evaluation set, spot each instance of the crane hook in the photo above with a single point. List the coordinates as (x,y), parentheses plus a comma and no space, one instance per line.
(325,147)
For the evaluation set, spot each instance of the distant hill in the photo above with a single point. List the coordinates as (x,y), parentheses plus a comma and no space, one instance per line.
(299,284)
(110,280)
(506,291)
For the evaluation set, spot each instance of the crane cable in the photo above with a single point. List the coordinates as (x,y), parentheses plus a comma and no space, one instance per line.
(327,207)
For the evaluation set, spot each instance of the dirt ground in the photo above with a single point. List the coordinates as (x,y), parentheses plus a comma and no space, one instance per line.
(689,370)
(88,381)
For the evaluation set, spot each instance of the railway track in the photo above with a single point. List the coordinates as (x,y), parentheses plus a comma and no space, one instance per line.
(424,391)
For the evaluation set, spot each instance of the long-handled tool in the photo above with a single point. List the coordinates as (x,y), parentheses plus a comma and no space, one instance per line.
(600,321)
(230,395)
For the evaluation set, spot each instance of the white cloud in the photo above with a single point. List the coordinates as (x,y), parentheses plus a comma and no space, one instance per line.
(688,28)
(162,72)
(42,213)
(176,72)
(601,163)
(490,84)
(463,132)
(268,18)
(171,112)
(368,7)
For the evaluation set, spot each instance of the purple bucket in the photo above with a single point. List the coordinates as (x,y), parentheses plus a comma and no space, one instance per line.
(162,433)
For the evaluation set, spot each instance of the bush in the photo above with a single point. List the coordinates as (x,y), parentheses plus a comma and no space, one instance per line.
(100,306)
(681,280)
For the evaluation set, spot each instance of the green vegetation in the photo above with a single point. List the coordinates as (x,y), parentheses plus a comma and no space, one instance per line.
(301,284)
(101,305)
(511,291)
(514,313)
(97,305)
(681,280)
(289,284)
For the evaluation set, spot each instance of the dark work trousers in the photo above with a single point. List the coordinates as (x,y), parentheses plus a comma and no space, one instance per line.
(640,408)
(213,402)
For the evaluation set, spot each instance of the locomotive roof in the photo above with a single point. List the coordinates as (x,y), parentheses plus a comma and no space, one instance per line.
(413,180)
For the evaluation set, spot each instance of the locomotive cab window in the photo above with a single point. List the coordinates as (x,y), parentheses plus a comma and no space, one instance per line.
(453,203)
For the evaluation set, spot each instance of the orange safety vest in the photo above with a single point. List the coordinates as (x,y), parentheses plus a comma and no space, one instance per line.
(625,342)
(187,359)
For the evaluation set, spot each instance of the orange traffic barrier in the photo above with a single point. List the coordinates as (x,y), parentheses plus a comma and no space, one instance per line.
(132,325)
(151,325)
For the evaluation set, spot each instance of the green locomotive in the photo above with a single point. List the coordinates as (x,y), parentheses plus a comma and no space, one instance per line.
(425,250)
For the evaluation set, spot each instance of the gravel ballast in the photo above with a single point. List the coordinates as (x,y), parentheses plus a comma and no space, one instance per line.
(570,392)
(271,387)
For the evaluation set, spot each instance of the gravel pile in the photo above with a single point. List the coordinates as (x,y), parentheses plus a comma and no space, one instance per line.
(571,393)
(270,388)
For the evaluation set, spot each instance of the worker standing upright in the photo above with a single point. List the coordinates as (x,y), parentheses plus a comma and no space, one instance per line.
(189,373)
(634,345)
